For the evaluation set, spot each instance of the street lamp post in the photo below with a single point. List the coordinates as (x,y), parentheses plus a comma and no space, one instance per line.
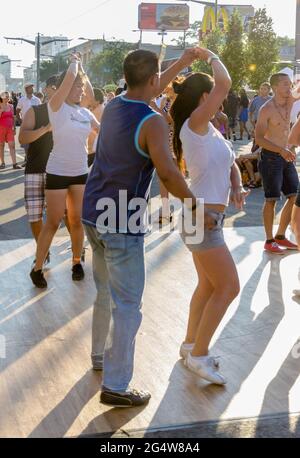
(141,36)
(9,60)
(38,43)
(163,33)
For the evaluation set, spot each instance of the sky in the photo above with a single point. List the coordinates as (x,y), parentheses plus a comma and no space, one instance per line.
(113,18)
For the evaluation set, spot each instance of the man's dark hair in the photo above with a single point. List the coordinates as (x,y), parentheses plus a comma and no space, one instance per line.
(52,81)
(275,79)
(139,66)
(119,91)
(99,96)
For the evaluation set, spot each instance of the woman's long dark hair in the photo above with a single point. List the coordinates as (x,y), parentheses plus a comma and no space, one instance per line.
(188,95)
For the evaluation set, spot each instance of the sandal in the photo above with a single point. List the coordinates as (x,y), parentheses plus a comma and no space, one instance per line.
(165,219)
(2,166)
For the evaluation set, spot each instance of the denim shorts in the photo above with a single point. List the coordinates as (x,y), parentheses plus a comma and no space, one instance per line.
(278,176)
(213,238)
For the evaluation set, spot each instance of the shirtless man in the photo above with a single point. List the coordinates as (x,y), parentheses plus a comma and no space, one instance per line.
(277,166)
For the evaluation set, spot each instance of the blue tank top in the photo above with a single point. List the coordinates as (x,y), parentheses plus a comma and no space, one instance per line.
(122,172)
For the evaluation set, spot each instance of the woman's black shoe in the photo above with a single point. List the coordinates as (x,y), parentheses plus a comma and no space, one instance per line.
(38,278)
(77,272)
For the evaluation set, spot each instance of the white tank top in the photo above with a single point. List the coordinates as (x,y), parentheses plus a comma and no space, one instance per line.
(209,159)
(71,126)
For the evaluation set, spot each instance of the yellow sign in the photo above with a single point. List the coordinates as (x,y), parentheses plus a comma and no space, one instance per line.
(209,20)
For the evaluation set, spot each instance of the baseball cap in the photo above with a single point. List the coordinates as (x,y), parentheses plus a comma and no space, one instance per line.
(28,85)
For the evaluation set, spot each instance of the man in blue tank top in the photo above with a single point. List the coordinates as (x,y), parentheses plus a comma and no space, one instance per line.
(133,142)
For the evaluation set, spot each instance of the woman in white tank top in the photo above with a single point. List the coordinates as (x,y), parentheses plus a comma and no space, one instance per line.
(67,167)
(211,164)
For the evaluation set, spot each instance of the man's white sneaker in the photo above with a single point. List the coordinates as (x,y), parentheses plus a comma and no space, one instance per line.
(206,367)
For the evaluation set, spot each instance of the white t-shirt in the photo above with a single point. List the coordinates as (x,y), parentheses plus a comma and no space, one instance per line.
(209,159)
(295,112)
(71,126)
(25,103)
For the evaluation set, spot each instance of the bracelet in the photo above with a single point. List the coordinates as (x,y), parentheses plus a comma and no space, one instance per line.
(212,58)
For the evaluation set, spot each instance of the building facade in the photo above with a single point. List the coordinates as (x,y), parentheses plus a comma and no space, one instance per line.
(54,48)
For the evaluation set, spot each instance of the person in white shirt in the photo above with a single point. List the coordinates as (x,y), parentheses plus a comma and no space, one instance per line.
(26,102)
(211,163)
(67,167)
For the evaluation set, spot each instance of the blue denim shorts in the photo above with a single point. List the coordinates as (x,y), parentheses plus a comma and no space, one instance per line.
(213,238)
(278,176)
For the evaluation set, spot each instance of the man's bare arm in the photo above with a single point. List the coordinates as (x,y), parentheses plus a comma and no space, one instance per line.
(27,132)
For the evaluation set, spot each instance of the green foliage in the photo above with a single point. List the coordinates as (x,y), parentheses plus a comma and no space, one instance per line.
(107,66)
(213,41)
(192,35)
(285,41)
(52,67)
(262,49)
(110,87)
(233,54)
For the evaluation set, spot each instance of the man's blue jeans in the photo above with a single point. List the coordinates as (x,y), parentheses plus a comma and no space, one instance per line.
(119,275)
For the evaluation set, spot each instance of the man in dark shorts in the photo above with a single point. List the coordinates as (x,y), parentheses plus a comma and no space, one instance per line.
(277,164)
(36,132)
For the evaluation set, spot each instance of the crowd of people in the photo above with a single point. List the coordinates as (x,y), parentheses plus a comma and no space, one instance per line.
(84,152)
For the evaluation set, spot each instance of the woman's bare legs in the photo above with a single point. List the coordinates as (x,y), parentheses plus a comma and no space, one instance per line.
(223,278)
(74,205)
(56,205)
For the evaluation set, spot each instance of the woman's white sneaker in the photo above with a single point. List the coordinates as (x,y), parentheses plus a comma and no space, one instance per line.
(185,349)
(206,368)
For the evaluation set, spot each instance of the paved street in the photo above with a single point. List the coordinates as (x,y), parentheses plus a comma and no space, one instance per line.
(48,338)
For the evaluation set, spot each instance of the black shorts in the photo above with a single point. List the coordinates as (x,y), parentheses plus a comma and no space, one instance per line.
(91,158)
(278,176)
(60,182)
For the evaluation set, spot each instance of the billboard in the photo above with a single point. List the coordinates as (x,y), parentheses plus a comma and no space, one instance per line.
(224,12)
(163,16)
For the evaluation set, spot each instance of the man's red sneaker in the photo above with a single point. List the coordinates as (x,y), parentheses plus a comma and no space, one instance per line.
(285,243)
(272,247)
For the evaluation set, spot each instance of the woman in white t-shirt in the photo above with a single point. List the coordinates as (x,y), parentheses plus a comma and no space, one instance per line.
(210,161)
(67,168)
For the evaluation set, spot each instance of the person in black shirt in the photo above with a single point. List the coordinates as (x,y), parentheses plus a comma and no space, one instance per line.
(231,105)
(36,131)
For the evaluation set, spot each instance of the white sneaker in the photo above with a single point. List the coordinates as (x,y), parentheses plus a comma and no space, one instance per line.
(185,349)
(206,367)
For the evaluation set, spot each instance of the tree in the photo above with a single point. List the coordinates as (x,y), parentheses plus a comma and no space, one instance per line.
(233,54)
(192,36)
(107,66)
(262,49)
(52,67)
(214,41)
(285,41)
